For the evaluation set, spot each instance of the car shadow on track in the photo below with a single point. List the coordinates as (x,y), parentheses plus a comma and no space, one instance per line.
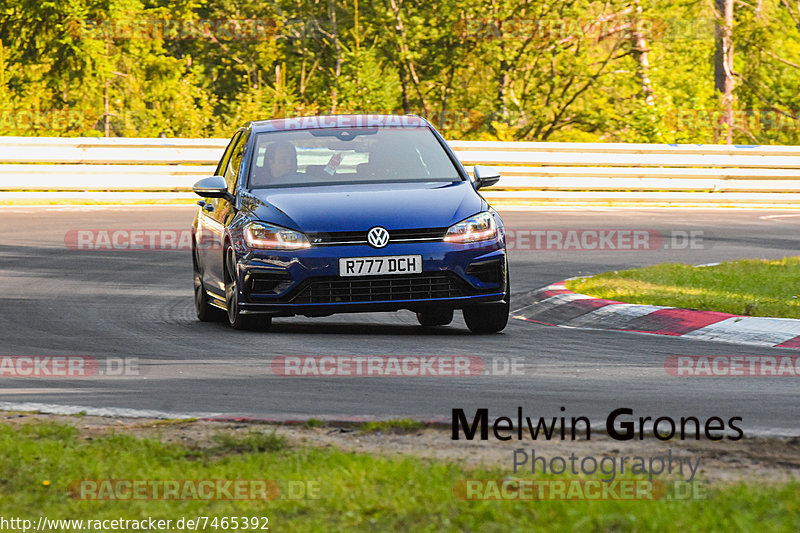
(368,329)
(344,328)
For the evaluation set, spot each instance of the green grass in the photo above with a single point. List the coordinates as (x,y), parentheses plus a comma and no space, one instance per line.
(752,287)
(252,442)
(313,423)
(357,492)
(397,425)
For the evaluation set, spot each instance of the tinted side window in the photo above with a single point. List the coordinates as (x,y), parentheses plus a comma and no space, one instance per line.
(236,159)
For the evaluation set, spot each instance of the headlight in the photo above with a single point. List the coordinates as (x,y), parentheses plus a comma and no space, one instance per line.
(268,237)
(480,227)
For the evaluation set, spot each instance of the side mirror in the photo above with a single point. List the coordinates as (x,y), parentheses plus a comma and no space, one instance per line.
(485,176)
(213,187)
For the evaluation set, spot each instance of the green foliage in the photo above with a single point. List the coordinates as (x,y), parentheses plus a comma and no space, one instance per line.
(366,83)
(557,70)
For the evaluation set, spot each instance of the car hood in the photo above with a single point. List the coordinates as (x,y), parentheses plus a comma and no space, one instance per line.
(359,207)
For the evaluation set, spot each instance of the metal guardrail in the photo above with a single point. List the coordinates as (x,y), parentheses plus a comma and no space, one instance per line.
(561,172)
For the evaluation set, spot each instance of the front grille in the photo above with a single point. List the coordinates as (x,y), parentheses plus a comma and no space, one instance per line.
(380,288)
(360,237)
(339,237)
(417,234)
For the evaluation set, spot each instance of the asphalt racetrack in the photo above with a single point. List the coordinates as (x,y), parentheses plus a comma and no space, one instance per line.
(138,305)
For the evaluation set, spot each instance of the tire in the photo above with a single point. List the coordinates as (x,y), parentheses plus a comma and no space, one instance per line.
(202,303)
(435,317)
(489,318)
(236,319)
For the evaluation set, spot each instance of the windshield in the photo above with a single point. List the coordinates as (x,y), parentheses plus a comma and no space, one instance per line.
(344,155)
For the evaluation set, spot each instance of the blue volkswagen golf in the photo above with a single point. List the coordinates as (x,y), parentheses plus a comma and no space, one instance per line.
(347,213)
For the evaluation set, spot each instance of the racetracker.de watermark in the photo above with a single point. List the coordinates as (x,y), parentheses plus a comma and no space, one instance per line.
(717,366)
(754,121)
(193,489)
(66,366)
(64,119)
(222,29)
(412,366)
(131,239)
(566,29)
(527,489)
(605,239)
(593,239)
(346,121)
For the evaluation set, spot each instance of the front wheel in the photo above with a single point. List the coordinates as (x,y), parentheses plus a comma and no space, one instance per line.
(236,319)
(489,318)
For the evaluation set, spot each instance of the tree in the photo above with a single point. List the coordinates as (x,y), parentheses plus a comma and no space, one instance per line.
(723,62)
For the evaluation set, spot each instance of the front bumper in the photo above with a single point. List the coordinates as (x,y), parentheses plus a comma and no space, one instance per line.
(307,282)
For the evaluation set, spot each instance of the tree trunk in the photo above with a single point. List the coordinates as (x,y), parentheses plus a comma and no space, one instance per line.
(106,115)
(404,87)
(723,63)
(503,80)
(2,67)
(640,53)
(338,68)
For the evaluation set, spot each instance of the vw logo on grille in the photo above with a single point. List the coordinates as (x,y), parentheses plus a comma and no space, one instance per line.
(378,237)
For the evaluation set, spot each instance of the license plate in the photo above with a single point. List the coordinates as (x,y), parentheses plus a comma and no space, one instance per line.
(376,266)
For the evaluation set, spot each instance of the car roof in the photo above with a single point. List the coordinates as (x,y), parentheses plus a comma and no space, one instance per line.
(338,121)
